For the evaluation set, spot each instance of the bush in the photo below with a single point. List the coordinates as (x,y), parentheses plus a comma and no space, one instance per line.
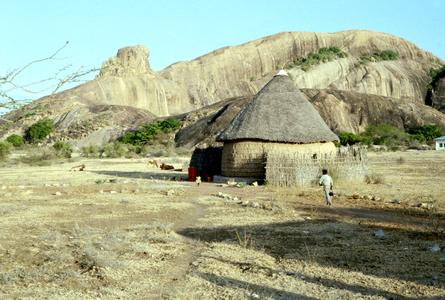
(15,140)
(386,134)
(381,56)
(63,149)
(426,132)
(5,150)
(41,156)
(38,131)
(114,150)
(349,138)
(90,151)
(149,132)
(314,58)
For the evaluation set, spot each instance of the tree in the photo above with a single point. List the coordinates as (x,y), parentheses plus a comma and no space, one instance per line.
(38,131)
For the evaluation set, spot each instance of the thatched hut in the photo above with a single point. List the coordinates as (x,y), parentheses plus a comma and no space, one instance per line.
(278,118)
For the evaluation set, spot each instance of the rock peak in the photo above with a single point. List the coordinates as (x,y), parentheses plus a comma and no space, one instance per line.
(129,61)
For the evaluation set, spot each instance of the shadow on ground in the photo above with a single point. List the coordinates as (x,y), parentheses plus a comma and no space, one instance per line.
(400,254)
(161,175)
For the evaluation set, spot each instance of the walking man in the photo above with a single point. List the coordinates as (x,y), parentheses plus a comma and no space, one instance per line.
(327,183)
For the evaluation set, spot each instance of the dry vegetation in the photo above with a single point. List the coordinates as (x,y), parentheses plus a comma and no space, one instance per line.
(120,230)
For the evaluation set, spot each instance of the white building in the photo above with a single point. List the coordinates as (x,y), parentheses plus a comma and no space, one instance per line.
(440,143)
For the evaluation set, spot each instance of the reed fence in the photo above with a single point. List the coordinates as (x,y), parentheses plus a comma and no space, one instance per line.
(293,169)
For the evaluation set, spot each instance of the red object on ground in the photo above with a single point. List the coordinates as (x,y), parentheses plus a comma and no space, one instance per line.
(193,172)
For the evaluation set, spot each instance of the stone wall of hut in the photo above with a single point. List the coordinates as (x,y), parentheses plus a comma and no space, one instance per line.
(248,158)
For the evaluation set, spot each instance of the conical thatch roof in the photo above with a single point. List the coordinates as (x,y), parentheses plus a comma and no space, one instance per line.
(279,113)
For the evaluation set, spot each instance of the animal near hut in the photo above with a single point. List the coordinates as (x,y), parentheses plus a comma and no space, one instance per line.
(278,119)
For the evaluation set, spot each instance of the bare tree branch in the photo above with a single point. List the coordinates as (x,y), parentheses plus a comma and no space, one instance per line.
(52,84)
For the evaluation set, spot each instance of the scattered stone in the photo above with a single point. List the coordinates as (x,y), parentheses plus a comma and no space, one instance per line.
(255,183)
(113,192)
(355,196)
(245,203)
(396,201)
(57,194)
(4,187)
(195,264)
(231,183)
(255,205)
(379,233)
(224,196)
(170,193)
(434,248)
(235,199)
(307,218)
(367,197)
(27,192)
(425,205)
(442,259)
(21,187)
(113,180)
(305,232)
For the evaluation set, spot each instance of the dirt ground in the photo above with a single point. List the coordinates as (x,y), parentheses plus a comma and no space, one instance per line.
(120,230)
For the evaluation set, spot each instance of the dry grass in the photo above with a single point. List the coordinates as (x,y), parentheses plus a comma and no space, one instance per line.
(140,242)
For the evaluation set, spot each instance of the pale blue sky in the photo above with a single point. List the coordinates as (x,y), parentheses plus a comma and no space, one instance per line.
(183,30)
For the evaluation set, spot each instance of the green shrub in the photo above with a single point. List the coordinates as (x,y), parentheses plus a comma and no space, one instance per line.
(5,150)
(315,58)
(386,134)
(149,132)
(15,140)
(426,132)
(349,138)
(63,149)
(381,56)
(38,131)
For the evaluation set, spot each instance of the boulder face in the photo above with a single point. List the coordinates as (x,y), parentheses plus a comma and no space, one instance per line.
(242,70)
(438,97)
(127,80)
(129,61)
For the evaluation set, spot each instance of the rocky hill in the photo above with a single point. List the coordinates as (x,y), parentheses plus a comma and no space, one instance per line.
(356,70)
(342,111)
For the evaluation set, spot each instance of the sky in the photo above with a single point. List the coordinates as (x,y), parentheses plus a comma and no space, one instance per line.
(182,30)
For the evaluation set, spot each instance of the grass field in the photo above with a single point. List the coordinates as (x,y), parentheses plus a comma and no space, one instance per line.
(120,230)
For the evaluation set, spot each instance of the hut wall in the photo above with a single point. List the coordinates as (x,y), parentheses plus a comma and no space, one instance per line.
(248,158)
